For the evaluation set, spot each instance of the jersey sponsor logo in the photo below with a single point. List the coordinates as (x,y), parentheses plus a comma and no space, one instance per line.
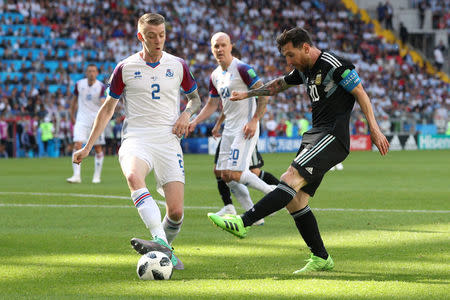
(252,73)
(169,73)
(137,74)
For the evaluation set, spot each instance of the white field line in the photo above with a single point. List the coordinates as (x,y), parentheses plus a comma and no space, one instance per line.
(162,203)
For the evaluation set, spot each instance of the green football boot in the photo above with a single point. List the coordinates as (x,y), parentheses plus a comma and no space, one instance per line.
(230,223)
(157,244)
(316,264)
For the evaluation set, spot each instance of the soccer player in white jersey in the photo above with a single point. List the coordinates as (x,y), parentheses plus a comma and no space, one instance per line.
(241,130)
(89,95)
(149,83)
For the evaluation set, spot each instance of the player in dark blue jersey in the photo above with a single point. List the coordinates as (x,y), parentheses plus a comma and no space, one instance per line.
(333,85)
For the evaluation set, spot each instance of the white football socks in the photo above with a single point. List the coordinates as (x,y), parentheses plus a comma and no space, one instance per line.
(99,157)
(76,168)
(241,193)
(253,181)
(171,228)
(149,212)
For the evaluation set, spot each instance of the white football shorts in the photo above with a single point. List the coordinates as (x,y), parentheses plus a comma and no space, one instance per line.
(236,152)
(82,131)
(165,157)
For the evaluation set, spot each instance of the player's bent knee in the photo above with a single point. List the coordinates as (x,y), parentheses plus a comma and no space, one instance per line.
(134,181)
(292,178)
(236,176)
(226,177)
(175,214)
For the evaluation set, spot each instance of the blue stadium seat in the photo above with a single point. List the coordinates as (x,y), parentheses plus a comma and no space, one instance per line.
(52,88)
(12,16)
(76,76)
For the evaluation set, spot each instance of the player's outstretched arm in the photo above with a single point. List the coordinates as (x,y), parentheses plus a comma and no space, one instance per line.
(376,135)
(210,107)
(73,108)
(269,89)
(181,126)
(216,129)
(103,116)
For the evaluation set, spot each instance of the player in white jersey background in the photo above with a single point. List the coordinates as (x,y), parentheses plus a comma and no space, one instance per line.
(89,95)
(149,83)
(241,130)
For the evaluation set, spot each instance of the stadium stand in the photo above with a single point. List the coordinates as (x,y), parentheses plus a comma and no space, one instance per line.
(45,47)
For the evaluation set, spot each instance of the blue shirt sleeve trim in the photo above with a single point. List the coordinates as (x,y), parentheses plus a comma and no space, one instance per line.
(115,96)
(253,82)
(213,96)
(193,88)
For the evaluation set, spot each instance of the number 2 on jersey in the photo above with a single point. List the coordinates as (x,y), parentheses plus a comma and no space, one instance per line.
(155,91)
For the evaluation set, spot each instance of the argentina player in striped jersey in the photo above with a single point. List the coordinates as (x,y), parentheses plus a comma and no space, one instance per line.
(333,85)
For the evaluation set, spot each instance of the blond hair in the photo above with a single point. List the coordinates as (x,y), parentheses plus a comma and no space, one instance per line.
(151,19)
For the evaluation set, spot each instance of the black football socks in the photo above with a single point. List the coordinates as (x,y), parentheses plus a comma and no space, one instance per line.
(224,191)
(270,203)
(307,226)
(268,178)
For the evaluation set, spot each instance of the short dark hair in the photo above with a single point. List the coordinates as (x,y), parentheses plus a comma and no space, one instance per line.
(92,65)
(298,36)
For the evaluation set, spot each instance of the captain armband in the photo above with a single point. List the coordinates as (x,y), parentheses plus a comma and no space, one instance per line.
(350,80)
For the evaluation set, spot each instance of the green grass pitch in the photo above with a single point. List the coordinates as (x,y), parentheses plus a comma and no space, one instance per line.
(385,221)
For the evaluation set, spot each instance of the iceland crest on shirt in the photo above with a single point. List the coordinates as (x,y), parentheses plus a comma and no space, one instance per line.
(169,73)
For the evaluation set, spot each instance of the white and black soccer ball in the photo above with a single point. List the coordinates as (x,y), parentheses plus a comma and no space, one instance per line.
(154,265)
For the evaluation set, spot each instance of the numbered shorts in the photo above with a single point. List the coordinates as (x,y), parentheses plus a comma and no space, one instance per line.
(318,153)
(256,160)
(164,157)
(81,134)
(235,152)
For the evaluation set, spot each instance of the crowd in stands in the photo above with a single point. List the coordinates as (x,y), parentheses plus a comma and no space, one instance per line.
(45,47)
(440,12)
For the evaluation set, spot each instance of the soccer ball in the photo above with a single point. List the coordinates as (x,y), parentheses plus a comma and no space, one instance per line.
(154,265)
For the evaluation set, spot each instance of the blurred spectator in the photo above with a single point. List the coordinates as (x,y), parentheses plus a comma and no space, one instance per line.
(46,127)
(403,33)
(4,136)
(64,134)
(422,8)
(360,125)
(271,126)
(289,128)
(389,10)
(281,127)
(381,12)
(303,125)
(439,56)
(385,125)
